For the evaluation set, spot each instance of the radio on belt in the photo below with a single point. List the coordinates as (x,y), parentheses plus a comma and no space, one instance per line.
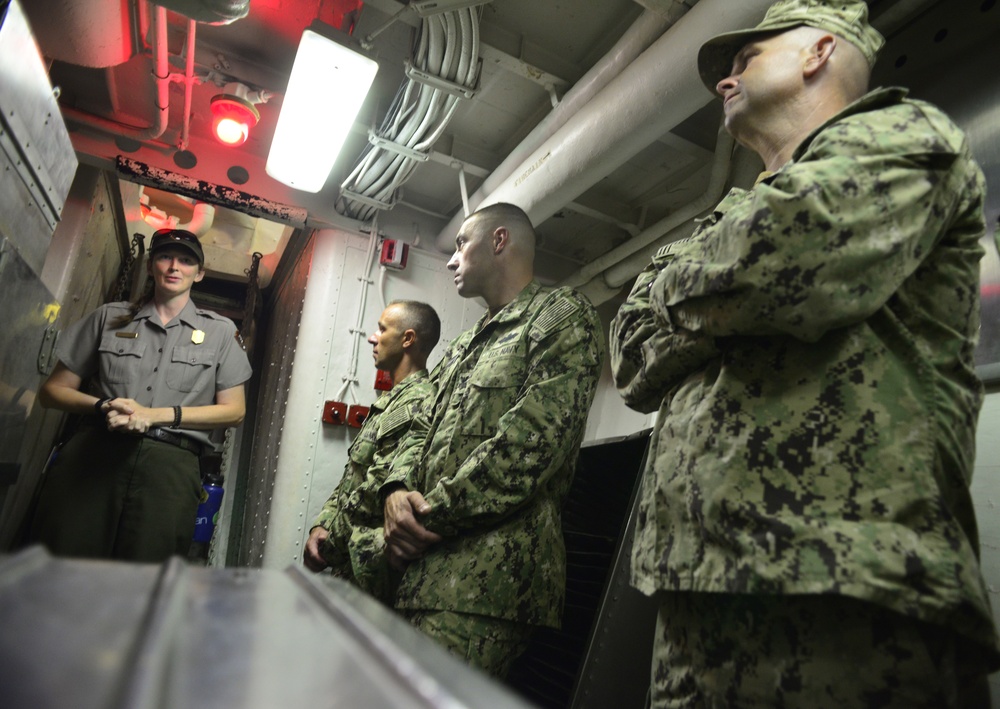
(394,254)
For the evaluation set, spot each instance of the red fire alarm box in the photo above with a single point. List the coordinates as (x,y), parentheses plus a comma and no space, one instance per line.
(394,254)
(356,415)
(383,380)
(335,412)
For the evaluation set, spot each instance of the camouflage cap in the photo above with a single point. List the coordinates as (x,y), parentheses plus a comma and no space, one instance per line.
(845,18)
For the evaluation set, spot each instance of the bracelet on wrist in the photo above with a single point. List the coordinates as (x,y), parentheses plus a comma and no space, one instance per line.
(177,417)
(99,405)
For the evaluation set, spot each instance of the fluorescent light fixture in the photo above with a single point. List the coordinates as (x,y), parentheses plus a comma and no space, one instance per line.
(325,91)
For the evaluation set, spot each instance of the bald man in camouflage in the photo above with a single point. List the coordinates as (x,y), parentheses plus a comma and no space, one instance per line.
(805,517)
(407,332)
(473,505)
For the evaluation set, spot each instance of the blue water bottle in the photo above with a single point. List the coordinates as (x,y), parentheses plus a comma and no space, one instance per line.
(208,510)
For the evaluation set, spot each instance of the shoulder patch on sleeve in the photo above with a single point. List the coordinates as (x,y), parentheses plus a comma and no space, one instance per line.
(668,249)
(394,420)
(553,317)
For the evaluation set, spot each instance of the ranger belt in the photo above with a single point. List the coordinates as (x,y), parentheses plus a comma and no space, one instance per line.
(174,439)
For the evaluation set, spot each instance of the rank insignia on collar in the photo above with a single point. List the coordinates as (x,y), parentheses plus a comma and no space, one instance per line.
(198,336)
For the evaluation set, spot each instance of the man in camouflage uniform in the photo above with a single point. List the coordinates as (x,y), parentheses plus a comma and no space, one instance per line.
(473,504)
(806,517)
(340,538)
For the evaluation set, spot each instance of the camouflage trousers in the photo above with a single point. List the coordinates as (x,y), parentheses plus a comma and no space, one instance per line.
(722,650)
(357,554)
(490,644)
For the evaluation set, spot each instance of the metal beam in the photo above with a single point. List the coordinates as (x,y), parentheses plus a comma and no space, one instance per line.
(546,80)
(632,229)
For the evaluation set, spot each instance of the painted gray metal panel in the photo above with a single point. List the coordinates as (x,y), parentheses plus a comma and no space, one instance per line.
(101,634)
(25,323)
(947,56)
(35,150)
(986,494)
(248,532)
(600,655)
(616,667)
(943,56)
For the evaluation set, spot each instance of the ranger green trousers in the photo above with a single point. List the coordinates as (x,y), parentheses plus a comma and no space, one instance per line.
(117,496)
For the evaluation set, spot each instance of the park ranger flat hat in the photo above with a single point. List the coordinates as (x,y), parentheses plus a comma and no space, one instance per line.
(178,238)
(845,18)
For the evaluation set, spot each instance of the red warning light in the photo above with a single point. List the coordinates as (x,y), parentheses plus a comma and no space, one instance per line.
(232,119)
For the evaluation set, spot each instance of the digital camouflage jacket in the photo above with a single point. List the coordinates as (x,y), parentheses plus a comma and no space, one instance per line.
(810,353)
(355,546)
(497,458)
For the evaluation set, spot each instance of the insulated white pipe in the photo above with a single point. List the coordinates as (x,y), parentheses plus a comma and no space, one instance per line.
(162,75)
(382,273)
(358,332)
(724,145)
(636,40)
(202,217)
(465,191)
(655,93)
(188,83)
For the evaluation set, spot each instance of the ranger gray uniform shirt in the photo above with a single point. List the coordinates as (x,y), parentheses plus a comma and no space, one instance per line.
(182,364)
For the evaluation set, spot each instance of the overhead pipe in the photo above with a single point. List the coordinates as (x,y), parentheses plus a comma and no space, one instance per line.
(653,95)
(608,285)
(639,244)
(677,9)
(161,73)
(202,218)
(188,84)
(158,219)
(668,73)
(637,38)
(604,277)
(632,229)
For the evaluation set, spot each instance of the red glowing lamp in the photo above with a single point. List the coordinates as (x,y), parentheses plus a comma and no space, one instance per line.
(232,118)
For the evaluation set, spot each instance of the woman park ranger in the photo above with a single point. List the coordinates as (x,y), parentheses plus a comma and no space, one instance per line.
(163,371)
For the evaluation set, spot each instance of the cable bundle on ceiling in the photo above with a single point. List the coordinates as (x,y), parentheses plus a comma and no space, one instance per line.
(447,49)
